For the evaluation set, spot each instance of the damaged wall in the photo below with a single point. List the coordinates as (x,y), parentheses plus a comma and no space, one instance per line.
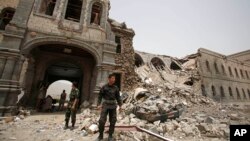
(224,79)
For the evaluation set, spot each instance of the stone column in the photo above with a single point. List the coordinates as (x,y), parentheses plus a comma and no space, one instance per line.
(8,69)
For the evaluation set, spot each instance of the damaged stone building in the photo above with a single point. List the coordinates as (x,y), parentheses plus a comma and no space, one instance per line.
(42,41)
(223,78)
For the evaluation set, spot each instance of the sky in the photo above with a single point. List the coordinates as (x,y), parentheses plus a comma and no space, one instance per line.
(180,27)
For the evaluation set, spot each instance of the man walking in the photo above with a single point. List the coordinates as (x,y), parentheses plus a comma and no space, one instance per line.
(109,96)
(72,106)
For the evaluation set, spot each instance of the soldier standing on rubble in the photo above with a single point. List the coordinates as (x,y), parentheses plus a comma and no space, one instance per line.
(72,106)
(109,96)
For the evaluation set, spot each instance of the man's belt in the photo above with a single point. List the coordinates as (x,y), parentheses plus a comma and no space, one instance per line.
(109,101)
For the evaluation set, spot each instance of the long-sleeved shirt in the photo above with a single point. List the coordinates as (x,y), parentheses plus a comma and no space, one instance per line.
(109,93)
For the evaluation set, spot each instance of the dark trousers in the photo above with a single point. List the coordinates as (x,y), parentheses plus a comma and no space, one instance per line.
(103,118)
(72,114)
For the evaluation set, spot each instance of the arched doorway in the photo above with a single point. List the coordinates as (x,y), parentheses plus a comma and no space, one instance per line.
(56,88)
(52,62)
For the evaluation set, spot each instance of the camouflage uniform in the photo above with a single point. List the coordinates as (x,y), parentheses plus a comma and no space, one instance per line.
(109,96)
(74,94)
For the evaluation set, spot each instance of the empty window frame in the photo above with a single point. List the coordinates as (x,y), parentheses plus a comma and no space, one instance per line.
(238,93)
(118,42)
(230,91)
(47,7)
(236,72)
(96,13)
(74,10)
(208,66)
(213,91)
(5,17)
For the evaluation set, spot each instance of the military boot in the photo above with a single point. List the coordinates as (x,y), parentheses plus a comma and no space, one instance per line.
(100,137)
(110,138)
(66,125)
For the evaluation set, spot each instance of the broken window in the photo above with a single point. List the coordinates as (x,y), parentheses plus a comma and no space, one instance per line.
(223,69)
(236,72)
(5,17)
(203,90)
(74,10)
(174,66)
(118,80)
(138,60)
(238,93)
(213,91)
(96,13)
(222,92)
(47,7)
(158,63)
(216,68)
(247,75)
(244,94)
(241,73)
(118,42)
(208,67)
(230,71)
(230,91)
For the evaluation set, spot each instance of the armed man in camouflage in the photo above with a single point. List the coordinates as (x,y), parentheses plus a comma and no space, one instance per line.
(72,106)
(109,96)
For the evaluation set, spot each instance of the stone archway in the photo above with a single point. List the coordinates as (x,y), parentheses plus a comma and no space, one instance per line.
(158,63)
(138,60)
(53,61)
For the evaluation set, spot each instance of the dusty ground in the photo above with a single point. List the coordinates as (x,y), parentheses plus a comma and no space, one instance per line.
(41,127)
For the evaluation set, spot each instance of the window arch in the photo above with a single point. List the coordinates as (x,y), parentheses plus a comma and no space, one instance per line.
(208,66)
(244,94)
(223,69)
(238,93)
(213,91)
(241,73)
(230,91)
(236,72)
(216,67)
(222,92)
(96,13)
(230,71)
(6,16)
(158,63)
(247,75)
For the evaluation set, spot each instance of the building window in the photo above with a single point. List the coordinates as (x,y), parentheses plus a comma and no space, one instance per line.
(216,68)
(223,69)
(248,91)
(5,17)
(203,90)
(244,94)
(247,75)
(47,7)
(208,66)
(213,91)
(230,92)
(238,93)
(241,73)
(118,42)
(230,71)
(236,72)
(96,13)
(222,92)
(74,10)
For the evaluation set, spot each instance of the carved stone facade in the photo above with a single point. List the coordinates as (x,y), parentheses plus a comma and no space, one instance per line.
(55,40)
